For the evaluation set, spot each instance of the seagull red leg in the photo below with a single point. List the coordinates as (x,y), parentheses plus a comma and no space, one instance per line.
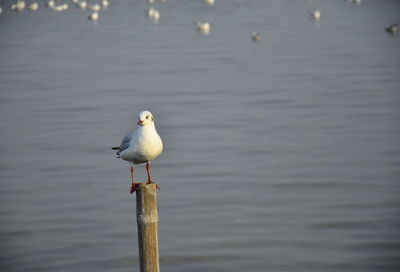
(148,172)
(133,187)
(149,180)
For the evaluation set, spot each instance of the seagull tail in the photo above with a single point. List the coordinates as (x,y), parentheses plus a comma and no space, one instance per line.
(116,148)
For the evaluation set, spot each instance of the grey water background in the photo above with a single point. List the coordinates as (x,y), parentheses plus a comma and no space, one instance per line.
(281,155)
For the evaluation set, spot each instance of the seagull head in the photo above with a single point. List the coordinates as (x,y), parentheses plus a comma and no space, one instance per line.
(145,118)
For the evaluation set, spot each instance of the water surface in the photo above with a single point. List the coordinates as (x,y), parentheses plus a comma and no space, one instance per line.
(281,155)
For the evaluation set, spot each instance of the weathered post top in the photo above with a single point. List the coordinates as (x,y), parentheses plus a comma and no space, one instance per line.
(147,222)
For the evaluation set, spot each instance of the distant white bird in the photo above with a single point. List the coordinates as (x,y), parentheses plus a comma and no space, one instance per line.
(95,7)
(83,5)
(256,36)
(19,6)
(141,146)
(51,3)
(316,15)
(210,2)
(392,29)
(94,16)
(60,7)
(57,8)
(154,14)
(1,10)
(203,27)
(105,3)
(150,12)
(33,6)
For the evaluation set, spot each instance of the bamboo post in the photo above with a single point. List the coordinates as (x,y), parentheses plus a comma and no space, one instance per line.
(147,222)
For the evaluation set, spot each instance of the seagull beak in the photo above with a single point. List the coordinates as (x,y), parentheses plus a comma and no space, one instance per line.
(140,122)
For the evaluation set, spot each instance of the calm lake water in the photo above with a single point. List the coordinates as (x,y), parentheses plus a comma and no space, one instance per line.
(280,155)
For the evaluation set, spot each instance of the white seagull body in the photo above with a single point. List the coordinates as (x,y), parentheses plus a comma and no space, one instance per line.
(83,4)
(105,3)
(94,16)
(210,2)
(392,29)
(203,27)
(142,145)
(316,15)
(19,6)
(154,14)
(95,7)
(33,6)
(256,36)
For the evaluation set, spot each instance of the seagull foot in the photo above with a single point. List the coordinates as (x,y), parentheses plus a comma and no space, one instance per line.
(133,188)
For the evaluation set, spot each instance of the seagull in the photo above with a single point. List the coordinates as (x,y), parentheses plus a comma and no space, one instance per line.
(95,7)
(256,36)
(150,12)
(154,14)
(19,6)
(94,16)
(203,27)
(33,6)
(83,4)
(392,29)
(141,146)
(105,3)
(60,7)
(210,2)
(316,15)
(51,3)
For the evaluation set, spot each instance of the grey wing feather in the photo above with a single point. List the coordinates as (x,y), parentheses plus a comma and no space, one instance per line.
(125,143)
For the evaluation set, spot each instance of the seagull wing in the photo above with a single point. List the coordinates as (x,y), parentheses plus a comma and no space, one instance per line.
(124,144)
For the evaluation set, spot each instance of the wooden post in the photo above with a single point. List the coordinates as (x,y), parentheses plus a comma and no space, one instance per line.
(147,222)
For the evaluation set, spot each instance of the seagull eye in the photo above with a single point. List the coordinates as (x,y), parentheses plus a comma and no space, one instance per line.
(147,117)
